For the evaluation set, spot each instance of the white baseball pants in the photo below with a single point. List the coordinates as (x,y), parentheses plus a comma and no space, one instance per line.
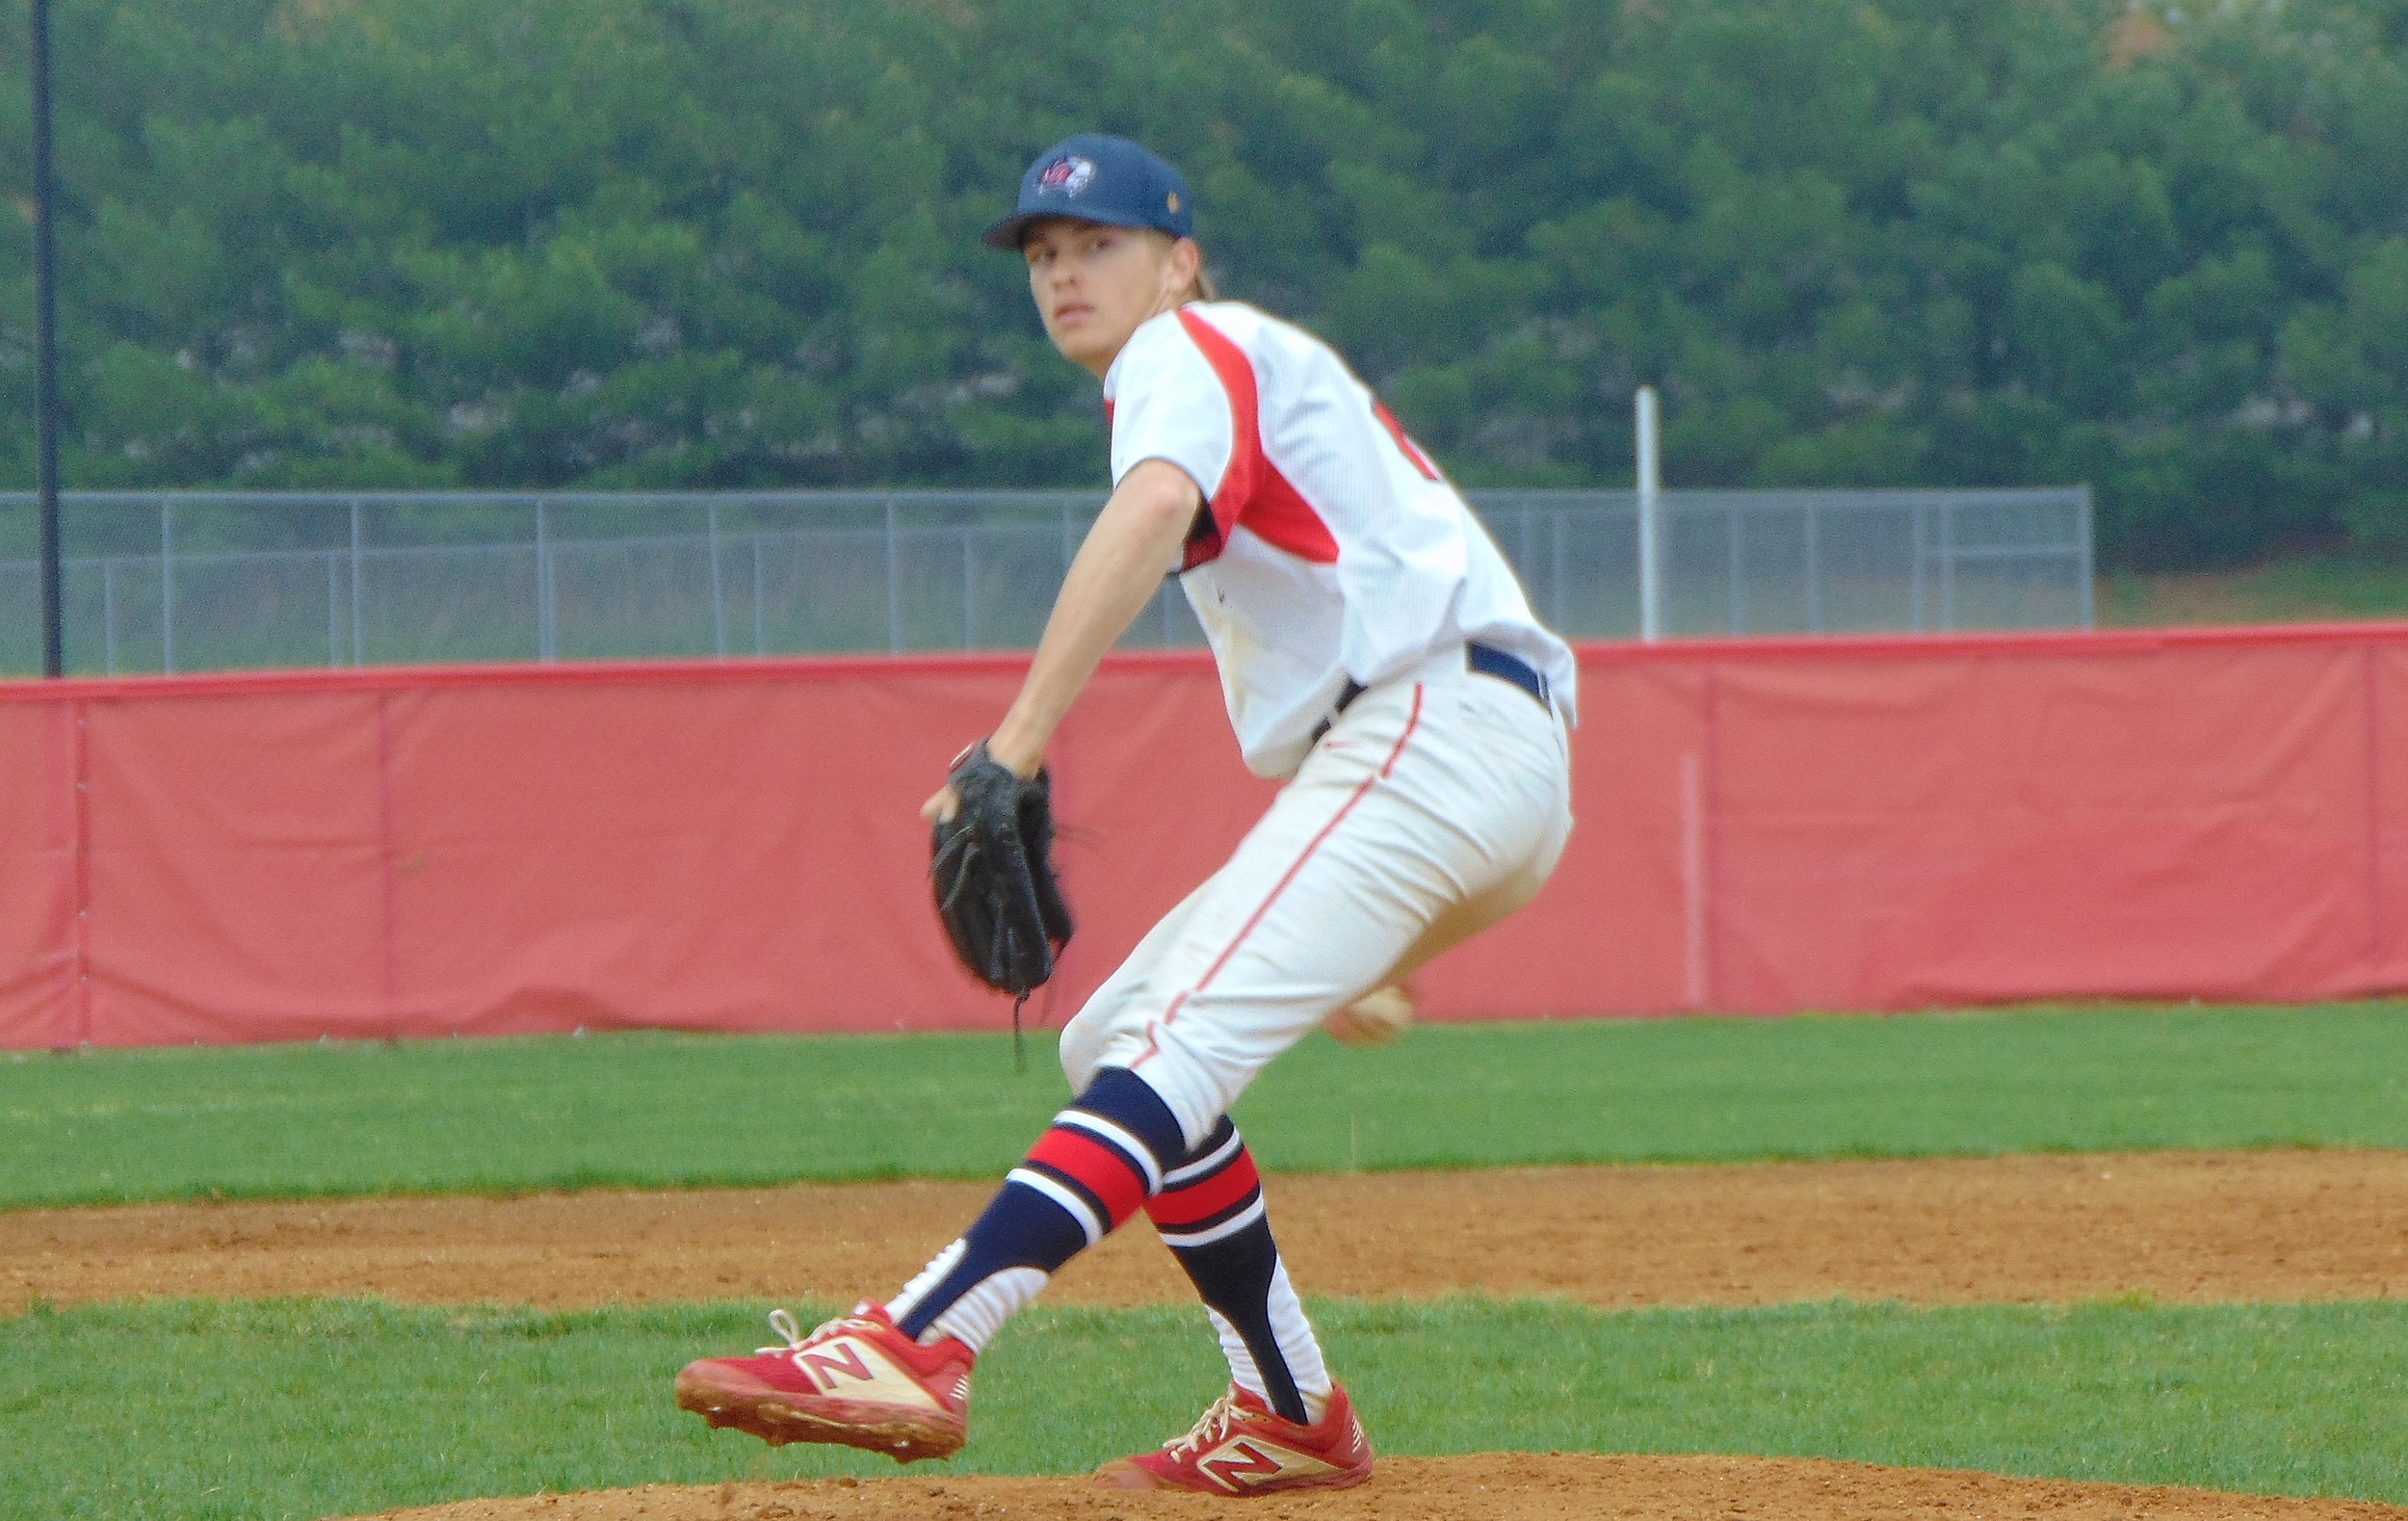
(1436,804)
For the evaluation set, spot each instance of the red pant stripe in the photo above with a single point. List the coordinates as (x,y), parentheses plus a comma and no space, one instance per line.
(1412,721)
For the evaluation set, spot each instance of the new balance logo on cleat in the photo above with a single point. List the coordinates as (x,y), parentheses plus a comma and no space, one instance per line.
(1241,1448)
(854,1370)
(1240,1467)
(856,1381)
(839,1359)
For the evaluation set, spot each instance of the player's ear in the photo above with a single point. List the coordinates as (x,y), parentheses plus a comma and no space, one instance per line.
(1187,268)
(1202,289)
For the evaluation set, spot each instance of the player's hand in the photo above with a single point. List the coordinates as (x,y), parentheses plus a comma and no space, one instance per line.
(946,802)
(1011,749)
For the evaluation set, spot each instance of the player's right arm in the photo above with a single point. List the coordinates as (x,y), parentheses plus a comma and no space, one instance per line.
(1172,432)
(1135,541)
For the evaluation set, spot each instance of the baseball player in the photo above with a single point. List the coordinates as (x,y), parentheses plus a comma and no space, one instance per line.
(1374,651)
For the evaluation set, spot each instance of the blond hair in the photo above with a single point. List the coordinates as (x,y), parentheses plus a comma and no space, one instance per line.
(1202,288)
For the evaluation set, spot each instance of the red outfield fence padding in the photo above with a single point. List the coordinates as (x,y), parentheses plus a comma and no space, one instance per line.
(1764,827)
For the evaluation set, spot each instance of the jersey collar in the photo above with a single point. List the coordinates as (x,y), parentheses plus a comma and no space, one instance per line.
(1111,373)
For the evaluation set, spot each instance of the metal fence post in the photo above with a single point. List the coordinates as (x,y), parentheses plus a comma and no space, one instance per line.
(1915,568)
(2089,570)
(334,611)
(1650,538)
(547,633)
(167,585)
(360,650)
(1814,575)
(1735,594)
(894,582)
(718,591)
(1558,552)
(108,611)
(1948,568)
(969,588)
(760,635)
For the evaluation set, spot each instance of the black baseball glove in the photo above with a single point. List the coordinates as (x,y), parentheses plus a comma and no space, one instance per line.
(993,867)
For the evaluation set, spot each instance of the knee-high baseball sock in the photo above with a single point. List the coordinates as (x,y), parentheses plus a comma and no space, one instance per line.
(1084,1176)
(1209,1212)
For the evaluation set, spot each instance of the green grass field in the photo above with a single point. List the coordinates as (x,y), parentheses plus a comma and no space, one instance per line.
(194,1412)
(301,1410)
(2304,588)
(682,1111)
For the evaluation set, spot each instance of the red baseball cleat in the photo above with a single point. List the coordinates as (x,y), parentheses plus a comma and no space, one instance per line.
(1241,1448)
(856,1380)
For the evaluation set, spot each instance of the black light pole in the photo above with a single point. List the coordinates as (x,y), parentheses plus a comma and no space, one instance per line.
(46,356)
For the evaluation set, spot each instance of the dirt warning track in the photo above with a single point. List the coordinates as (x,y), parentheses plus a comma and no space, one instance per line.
(2182,1226)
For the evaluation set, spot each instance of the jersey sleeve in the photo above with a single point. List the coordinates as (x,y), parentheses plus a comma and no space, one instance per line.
(1168,404)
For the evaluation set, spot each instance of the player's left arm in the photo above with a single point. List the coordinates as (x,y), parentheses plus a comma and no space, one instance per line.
(1134,540)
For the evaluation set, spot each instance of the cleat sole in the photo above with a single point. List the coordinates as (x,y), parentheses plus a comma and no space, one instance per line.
(905,1436)
(1122,1474)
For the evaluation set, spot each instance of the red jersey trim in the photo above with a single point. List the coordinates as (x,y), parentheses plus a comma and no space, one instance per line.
(1252,491)
(1415,455)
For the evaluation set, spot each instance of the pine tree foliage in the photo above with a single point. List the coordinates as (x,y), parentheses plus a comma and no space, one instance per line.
(2161,248)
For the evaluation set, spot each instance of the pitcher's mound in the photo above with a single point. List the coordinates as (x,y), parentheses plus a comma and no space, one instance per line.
(1488,1486)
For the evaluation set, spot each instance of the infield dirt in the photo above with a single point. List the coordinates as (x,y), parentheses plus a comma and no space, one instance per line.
(1486,1487)
(2192,1228)
(2180,1226)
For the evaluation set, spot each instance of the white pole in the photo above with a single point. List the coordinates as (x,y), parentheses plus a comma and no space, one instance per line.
(1650,487)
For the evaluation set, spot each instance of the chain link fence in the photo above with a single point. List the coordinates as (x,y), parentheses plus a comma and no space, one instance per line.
(189,581)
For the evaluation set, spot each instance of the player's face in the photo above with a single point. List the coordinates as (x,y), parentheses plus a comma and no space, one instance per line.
(1094,284)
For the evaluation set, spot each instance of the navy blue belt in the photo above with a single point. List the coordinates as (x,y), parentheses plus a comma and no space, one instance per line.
(1490,660)
(1486,659)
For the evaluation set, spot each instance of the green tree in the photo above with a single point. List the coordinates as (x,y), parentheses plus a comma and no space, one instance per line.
(734,242)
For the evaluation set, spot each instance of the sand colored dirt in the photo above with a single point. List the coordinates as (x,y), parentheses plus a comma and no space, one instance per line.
(2182,1226)
(1499,1486)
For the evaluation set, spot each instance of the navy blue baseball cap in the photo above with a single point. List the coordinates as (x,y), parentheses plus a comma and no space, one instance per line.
(1095,177)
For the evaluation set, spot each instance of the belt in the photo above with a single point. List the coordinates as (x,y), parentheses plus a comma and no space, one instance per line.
(1486,659)
(1490,660)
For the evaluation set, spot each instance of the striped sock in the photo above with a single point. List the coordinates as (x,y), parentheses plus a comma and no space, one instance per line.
(1085,1175)
(1210,1213)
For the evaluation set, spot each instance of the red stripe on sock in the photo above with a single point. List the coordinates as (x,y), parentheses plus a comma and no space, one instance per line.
(1206,1197)
(1104,1171)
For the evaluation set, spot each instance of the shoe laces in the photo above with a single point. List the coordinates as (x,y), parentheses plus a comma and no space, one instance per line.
(784,1323)
(1209,1427)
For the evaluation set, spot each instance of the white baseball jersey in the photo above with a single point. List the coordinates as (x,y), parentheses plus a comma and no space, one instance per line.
(1334,550)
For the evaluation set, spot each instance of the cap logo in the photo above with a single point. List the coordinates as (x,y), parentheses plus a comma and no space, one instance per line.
(1066,175)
